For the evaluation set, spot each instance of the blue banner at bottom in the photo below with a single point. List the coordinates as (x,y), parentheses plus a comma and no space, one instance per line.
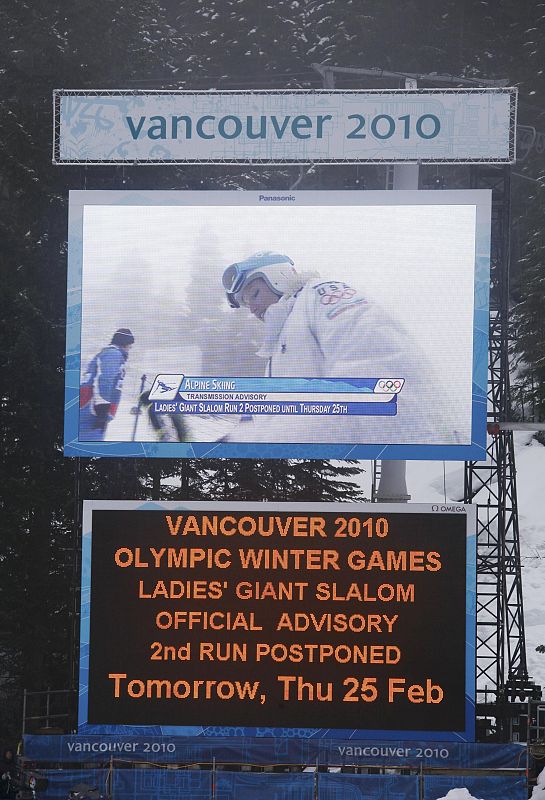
(152,784)
(378,787)
(191,784)
(249,786)
(254,750)
(194,784)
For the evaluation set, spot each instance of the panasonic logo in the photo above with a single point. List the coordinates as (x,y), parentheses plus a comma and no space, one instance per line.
(277,198)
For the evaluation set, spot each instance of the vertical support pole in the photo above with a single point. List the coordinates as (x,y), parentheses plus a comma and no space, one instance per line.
(73,662)
(138,408)
(528,740)
(392,485)
(23,726)
(328,76)
(214,778)
(47,706)
(375,478)
(110,780)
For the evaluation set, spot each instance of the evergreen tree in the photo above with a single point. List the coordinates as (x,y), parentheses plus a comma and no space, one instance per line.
(325,481)
(528,268)
(283,481)
(529,312)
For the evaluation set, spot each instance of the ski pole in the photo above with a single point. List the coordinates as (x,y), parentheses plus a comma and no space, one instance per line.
(137,408)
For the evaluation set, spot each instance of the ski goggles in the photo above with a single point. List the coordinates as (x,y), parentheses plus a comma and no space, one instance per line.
(233,281)
(267,265)
(233,278)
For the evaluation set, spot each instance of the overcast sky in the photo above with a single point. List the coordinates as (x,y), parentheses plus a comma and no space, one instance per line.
(411,252)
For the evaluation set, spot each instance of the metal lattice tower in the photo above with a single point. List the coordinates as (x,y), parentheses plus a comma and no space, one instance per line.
(502,674)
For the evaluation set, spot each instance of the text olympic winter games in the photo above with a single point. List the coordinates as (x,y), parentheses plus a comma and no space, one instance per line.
(291,618)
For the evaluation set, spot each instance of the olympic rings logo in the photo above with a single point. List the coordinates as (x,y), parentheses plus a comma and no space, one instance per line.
(390,385)
(337,295)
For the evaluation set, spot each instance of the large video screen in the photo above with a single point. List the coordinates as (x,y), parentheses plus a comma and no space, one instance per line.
(278,324)
(338,620)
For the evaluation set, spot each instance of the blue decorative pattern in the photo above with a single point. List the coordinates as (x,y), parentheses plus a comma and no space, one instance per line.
(333,786)
(324,751)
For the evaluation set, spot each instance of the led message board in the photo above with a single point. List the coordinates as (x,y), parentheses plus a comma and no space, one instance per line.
(369,338)
(352,619)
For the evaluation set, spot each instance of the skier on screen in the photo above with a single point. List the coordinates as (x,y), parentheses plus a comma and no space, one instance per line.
(329,329)
(101,387)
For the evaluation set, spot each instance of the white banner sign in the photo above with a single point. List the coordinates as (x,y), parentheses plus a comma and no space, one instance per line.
(361,126)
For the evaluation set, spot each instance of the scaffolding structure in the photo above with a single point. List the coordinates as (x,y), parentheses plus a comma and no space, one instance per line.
(503,684)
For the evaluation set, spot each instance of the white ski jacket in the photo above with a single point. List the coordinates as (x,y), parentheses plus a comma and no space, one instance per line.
(329,329)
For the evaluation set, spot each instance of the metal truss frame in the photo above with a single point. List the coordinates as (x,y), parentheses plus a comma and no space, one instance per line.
(502,674)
